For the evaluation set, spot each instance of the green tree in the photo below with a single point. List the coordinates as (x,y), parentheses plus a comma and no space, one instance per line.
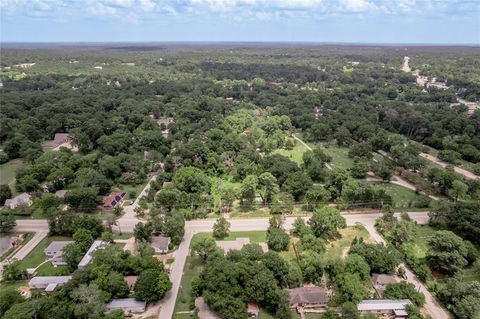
(221,228)
(248,189)
(5,193)
(7,223)
(174,227)
(404,290)
(297,184)
(83,239)
(447,252)
(14,271)
(326,221)
(204,247)
(87,302)
(277,239)
(191,180)
(267,186)
(8,298)
(82,199)
(152,285)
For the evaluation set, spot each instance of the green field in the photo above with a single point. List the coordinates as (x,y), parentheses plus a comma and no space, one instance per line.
(339,156)
(402,197)
(8,172)
(336,248)
(295,154)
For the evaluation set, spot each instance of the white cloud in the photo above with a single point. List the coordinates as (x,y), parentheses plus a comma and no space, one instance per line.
(357,5)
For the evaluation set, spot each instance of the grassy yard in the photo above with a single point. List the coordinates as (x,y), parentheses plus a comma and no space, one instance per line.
(402,197)
(295,154)
(8,172)
(48,269)
(339,156)
(336,248)
(13,285)
(37,255)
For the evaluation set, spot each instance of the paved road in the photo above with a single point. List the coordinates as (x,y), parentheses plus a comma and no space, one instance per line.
(458,170)
(197,226)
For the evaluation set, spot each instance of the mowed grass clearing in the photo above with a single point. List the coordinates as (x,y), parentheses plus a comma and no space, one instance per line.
(402,197)
(295,154)
(339,156)
(8,172)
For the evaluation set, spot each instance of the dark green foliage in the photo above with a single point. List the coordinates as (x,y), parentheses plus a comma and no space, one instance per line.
(152,285)
(404,290)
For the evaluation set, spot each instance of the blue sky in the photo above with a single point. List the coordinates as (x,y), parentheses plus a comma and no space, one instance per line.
(350,21)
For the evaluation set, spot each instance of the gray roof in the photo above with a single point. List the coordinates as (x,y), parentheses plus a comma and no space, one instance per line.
(97,244)
(22,199)
(384,279)
(42,280)
(57,245)
(383,304)
(160,242)
(307,296)
(126,303)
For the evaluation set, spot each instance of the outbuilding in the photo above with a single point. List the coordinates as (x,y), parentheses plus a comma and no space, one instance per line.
(48,283)
(127,305)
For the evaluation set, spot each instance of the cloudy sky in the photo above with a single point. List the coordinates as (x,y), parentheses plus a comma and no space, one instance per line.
(352,21)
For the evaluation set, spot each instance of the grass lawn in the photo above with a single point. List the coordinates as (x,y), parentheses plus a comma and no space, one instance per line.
(13,285)
(48,269)
(136,189)
(402,197)
(218,183)
(37,255)
(339,156)
(8,172)
(122,235)
(420,244)
(295,154)
(335,248)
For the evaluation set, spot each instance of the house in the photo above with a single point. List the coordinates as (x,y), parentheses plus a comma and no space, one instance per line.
(307,297)
(380,281)
(23,199)
(385,306)
(48,283)
(54,251)
(113,199)
(97,244)
(204,311)
(56,247)
(59,139)
(160,244)
(130,280)
(127,305)
(252,309)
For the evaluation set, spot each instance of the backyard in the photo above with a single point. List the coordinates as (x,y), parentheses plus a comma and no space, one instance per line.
(8,172)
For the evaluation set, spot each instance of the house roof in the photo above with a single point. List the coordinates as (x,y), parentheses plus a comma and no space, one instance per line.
(160,242)
(47,280)
(384,279)
(204,311)
(236,244)
(126,303)
(57,245)
(113,198)
(130,280)
(22,199)
(307,296)
(97,244)
(383,304)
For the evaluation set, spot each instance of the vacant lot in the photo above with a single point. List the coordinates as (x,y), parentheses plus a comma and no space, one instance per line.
(402,197)
(8,172)
(295,154)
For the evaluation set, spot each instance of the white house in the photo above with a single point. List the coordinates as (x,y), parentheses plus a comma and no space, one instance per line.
(48,283)
(56,247)
(127,305)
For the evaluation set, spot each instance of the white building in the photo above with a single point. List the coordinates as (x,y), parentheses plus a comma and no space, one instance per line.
(127,305)
(97,244)
(48,283)
(385,306)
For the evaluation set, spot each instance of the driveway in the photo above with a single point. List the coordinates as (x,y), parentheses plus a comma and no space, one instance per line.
(456,169)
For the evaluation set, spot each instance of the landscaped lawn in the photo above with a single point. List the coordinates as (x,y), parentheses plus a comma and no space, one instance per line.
(402,197)
(295,154)
(8,172)
(37,255)
(48,269)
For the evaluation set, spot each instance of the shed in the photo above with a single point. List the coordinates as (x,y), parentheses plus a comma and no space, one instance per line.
(127,305)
